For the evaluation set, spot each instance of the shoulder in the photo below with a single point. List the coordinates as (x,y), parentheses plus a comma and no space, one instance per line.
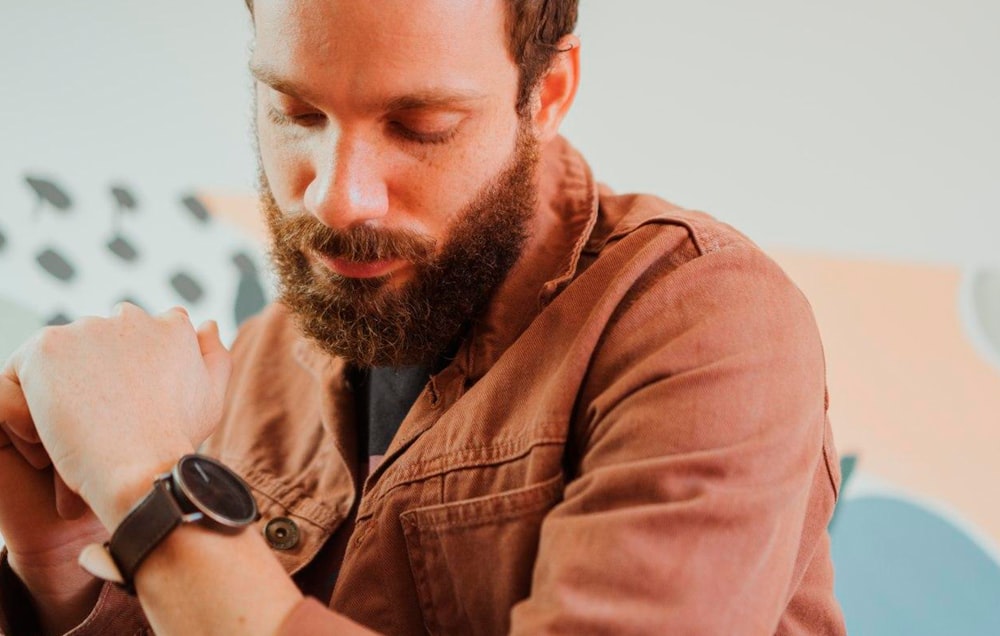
(620,215)
(688,301)
(681,255)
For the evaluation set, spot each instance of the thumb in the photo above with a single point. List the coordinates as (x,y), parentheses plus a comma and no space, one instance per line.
(215,355)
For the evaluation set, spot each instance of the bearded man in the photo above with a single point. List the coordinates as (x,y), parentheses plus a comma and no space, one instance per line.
(495,397)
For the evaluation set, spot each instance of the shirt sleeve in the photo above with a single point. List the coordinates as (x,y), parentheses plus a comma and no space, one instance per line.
(116,613)
(705,469)
(17,614)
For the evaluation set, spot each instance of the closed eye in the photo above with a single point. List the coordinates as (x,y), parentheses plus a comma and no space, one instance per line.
(305,119)
(423,137)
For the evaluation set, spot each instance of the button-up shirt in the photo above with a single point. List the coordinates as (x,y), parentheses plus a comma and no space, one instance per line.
(633,438)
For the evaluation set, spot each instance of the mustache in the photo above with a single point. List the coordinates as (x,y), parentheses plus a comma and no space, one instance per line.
(359,244)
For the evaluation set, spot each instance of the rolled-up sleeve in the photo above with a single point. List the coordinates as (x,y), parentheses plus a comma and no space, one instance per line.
(115,612)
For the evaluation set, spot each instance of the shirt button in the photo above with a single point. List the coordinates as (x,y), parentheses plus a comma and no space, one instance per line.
(281,533)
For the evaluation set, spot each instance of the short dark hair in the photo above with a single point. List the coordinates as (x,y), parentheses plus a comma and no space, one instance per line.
(534,28)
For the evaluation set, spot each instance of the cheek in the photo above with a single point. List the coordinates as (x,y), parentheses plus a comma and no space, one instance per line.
(438,187)
(427,200)
(282,164)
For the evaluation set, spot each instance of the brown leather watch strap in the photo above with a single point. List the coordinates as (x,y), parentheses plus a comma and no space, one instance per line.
(145,526)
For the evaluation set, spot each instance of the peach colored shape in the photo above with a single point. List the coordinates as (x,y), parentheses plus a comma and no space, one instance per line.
(237,209)
(909,393)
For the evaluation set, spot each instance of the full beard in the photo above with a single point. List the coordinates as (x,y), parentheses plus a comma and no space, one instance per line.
(368,322)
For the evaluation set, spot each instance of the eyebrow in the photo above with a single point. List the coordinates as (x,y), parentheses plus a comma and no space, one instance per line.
(277,82)
(435,98)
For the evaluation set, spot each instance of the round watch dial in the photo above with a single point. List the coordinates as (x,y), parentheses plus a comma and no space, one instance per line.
(215,490)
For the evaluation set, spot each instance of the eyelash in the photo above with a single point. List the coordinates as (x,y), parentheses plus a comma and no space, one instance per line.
(308,120)
(281,119)
(432,139)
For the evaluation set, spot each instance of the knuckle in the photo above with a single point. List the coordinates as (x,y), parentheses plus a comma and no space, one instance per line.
(133,313)
(87,323)
(50,339)
(177,316)
(125,309)
(179,324)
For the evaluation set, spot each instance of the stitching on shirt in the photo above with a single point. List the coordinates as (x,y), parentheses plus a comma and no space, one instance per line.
(477,512)
(290,497)
(442,464)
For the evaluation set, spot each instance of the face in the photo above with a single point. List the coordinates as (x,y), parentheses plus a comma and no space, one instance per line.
(397,178)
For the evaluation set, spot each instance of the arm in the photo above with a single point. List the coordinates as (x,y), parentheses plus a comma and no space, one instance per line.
(116,402)
(703,484)
(42,590)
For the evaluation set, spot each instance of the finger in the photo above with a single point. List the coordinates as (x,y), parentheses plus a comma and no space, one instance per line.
(96,559)
(69,505)
(34,454)
(14,408)
(214,353)
(5,439)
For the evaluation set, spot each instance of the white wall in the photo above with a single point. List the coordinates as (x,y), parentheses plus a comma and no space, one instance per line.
(150,95)
(852,127)
(865,126)
(152,91)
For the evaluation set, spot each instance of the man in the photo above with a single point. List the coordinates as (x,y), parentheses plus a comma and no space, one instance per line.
(495,397)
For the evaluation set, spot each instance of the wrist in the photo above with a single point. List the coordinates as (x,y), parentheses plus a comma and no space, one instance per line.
(50,574)
(47,565)
(125,487)
(197,490)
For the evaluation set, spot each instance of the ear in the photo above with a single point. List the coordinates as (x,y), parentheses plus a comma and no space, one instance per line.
(556,90)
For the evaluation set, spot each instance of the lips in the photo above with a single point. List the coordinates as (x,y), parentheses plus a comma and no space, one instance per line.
(354,269)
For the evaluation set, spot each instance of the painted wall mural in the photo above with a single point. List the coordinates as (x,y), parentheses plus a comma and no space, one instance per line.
(65,254)
(914,372)
(913,356)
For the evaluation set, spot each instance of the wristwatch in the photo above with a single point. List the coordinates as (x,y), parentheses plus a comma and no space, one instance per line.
(198,490)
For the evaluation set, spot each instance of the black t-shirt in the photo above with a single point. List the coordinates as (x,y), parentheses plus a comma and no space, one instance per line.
(384,397)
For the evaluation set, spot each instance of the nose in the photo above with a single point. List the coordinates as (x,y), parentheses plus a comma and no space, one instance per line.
(348,187)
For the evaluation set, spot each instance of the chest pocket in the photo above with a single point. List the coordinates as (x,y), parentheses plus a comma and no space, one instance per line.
(472,560)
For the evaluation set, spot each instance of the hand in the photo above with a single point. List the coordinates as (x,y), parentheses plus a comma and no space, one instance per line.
(43,524)
(115,401)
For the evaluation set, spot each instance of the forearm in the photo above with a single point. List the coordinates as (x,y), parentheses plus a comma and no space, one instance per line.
(200,580)
(204,582)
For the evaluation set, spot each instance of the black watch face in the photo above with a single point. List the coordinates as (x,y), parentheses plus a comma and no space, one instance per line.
(216,491)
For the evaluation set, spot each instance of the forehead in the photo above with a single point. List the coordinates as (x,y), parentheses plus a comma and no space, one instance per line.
(347,47)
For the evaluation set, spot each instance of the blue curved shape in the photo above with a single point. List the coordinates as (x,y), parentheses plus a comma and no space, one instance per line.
(903,569)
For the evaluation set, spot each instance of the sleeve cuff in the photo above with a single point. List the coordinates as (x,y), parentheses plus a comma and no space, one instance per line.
(115,612)
(17,611)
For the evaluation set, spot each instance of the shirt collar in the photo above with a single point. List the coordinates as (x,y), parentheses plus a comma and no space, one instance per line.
(566,214)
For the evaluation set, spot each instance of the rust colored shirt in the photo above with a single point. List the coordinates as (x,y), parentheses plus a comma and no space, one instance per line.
(632,440)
